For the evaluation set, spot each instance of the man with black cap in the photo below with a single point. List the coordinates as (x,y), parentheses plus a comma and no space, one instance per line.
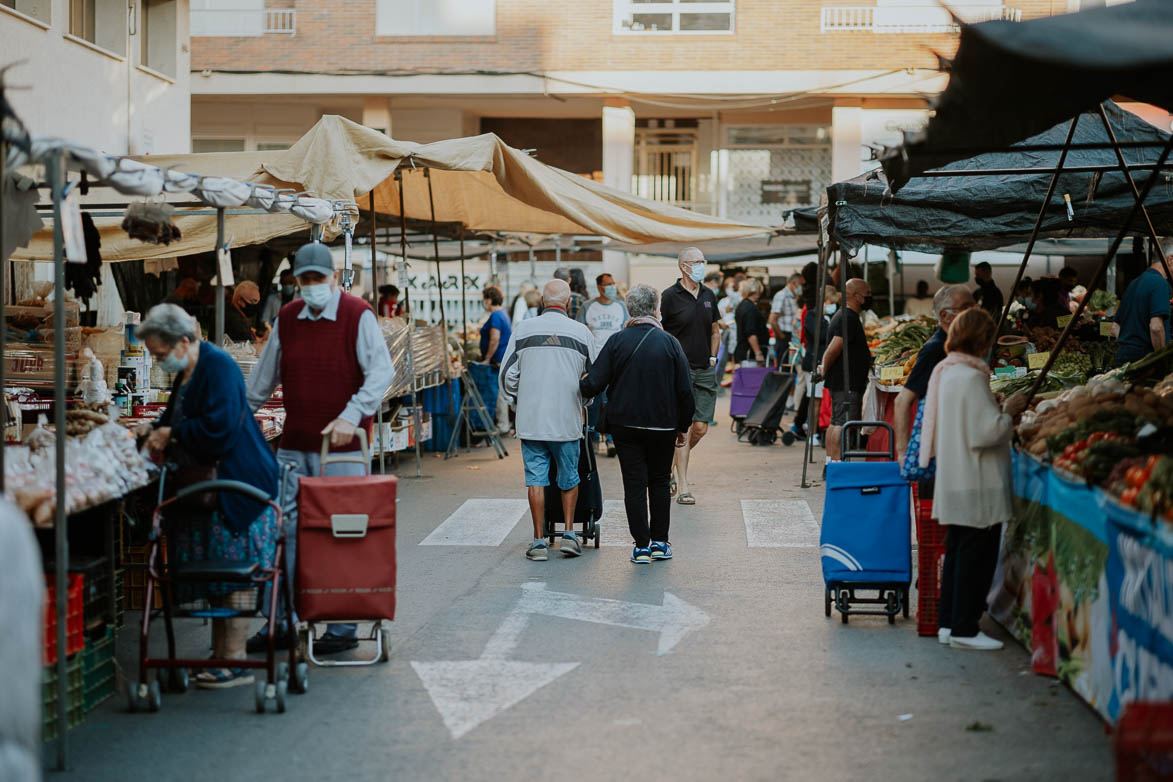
(328,354)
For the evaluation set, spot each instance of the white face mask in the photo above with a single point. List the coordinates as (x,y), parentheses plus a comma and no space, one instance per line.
(317,296)
(830,309)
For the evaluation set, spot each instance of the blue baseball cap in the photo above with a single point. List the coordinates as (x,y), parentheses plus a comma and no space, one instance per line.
(313,257)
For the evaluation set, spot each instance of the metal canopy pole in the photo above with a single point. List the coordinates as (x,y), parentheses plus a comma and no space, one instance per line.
(1137,205)
(1034,234)
(218,333)
(463,298)
(843,354)
(55,171)
(1156,240)
(436,252)
(821,283)
(3,299)
(375,288)
(410,320)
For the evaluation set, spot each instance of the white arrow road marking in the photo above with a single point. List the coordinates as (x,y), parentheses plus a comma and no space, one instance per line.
(779,524)
(467,693)
(470,692)
(478,522)
(673,620)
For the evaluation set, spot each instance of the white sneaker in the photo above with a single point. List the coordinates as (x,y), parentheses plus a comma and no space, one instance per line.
(943,636)
(979,643)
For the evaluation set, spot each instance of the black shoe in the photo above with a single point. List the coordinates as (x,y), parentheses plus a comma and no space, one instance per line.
(333,644)
(260,642)
(610,449)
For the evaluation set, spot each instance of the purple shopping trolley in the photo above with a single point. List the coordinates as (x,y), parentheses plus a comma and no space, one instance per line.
(746,383)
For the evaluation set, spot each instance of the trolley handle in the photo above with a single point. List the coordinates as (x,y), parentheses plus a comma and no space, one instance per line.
(847,455)
(363,456)
(233,487)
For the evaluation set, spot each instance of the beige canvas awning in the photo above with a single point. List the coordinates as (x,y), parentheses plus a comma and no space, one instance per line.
(479,182)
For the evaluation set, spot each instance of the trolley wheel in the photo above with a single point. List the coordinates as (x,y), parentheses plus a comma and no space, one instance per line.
(133,701)
(154,696)
(282,672)
(892,608)
(259,695)
(178,680)
(827,601)
(740,426)
(384,645)
(598,534)
(300,683)
(905,594)
(788,438)
(282,689)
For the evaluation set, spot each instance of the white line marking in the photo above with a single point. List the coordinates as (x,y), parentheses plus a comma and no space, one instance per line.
(613,524)
(779,524)
(478,522)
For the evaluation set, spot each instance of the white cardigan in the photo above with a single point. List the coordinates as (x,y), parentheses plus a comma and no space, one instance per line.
(973,451)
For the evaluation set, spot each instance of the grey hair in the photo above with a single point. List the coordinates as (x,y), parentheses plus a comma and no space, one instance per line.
(690,255)
(168,323)
(562,273)
(642,301)
(944,298)
(749,287)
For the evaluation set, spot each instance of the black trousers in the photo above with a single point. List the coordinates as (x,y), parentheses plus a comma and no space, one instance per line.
(971,555)
(645,460)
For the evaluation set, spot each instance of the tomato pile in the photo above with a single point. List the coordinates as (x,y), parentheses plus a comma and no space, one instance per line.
(1146,484)
(1080,455)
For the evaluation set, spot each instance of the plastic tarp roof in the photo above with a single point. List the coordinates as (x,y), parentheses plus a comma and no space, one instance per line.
(479,182)
(723,251)
(932,214)
(1011,80)
(483,184)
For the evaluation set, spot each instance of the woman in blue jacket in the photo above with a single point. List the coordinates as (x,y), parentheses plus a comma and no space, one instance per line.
(208,422)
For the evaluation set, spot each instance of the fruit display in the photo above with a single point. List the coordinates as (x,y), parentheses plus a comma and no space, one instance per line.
(897,344)
(1112,434)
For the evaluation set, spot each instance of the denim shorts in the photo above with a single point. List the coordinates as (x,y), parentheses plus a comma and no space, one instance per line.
(536,454)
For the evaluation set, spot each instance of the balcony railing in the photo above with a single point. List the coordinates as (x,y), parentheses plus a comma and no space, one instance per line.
(243,22)
(909,18)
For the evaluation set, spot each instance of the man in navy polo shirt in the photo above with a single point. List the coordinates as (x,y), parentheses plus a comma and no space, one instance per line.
(1142,320)
(949,302)
(688,311)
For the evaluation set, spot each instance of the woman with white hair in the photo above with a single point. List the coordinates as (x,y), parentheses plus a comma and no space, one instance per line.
(753,337)
(208,423)
(650,406)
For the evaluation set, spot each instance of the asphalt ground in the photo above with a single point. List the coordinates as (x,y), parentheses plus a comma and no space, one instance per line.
(503,668)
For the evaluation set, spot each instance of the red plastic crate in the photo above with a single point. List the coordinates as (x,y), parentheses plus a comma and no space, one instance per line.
(930,538)
(1144,743)
(75,639)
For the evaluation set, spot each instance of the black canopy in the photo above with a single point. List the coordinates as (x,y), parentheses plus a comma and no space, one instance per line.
(1011,80)
(935,213)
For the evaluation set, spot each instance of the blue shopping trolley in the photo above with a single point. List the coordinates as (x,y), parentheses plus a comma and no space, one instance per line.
(865,540)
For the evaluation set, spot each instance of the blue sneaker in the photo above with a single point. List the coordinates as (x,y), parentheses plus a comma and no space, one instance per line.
(537,551)
(660,550)
(641,556)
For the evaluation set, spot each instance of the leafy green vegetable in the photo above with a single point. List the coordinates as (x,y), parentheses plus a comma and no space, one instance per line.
(1102,301)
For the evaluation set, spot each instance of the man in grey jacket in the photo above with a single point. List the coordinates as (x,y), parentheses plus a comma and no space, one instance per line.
(540,370)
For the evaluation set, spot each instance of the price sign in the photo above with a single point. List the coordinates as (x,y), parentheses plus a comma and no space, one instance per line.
(1037,360)
(891,373)
(225,263)
(1063,320)
(1005,371)
(1105,328)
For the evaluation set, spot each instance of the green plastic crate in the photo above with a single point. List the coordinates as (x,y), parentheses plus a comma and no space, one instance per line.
(98,670)
(75,695)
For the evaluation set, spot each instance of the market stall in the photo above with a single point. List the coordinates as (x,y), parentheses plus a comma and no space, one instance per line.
(1087,563)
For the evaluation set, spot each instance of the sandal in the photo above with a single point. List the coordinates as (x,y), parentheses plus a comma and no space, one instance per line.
(686,499)
(223,678)
(672,486)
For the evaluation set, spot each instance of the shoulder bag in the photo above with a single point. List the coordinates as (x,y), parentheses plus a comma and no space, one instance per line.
(911,470)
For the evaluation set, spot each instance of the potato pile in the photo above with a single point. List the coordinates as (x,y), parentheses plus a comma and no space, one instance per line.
(1102,395)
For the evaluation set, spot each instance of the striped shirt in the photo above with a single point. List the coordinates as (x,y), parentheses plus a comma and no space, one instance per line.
(540,371)
(785,306)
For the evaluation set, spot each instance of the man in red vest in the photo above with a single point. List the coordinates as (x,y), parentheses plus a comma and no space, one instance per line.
(328,354)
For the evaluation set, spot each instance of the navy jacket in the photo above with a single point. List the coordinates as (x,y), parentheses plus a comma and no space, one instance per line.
(217,424)
(654,389)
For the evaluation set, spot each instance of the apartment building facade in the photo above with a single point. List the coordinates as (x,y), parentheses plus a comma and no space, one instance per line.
(113,74)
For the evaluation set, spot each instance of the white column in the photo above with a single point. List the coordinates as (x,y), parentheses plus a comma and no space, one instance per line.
(376,113)
(618,161)
(846,142)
